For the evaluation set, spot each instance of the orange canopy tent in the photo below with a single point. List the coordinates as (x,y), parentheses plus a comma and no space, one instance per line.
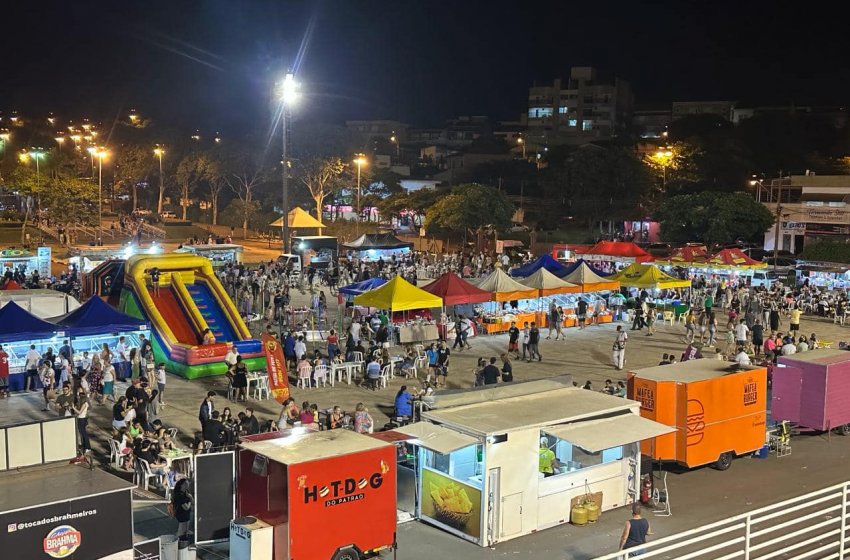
(504,288)
(546,284)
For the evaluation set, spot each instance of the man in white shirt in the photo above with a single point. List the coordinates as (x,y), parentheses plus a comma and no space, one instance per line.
(32,359)
(123,359)
(788,348)
(619,348)
(355,331)
(741,358)
(300,348)
(230,357)
(741,332)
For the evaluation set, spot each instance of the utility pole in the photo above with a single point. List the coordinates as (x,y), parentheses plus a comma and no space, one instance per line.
(776,230)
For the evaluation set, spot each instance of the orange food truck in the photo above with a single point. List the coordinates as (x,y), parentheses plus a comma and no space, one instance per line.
(719,410)
(327,495)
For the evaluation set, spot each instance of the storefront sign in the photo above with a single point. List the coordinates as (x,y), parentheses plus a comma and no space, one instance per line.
(276,366)
(826,215)
(827,229)
(72,529)
(451,503)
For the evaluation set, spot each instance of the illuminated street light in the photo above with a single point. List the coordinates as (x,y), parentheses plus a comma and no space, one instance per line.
(217,138)
(37,154)
(99,153)
(288,96)
(158,151)
(197,136)
(521,142)
(359,160)
(134,118)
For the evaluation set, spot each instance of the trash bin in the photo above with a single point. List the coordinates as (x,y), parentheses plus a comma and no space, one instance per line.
(186,553)
(168,547)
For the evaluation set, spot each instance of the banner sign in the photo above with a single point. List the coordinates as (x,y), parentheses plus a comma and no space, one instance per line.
(73,529)
(276,366)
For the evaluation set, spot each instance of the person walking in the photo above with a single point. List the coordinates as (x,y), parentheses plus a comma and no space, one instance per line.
(619,347)
(635,532)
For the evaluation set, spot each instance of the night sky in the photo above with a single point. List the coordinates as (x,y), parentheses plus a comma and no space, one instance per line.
(211,64)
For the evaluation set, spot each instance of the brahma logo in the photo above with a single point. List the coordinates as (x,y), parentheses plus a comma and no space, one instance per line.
(62,541)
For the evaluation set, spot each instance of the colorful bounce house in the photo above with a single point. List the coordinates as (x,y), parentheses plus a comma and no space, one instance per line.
(190,300)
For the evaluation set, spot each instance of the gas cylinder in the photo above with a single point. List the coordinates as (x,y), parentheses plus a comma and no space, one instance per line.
(592,511)
(578,515)
(646,490)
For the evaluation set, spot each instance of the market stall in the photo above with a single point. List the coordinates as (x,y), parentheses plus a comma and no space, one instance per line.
(589,279)
(545,261)
(481,473)
(66,511)
(348,293)
(648,276)
(689,256)
(458,293)
(18,330)
(733,258)
(86,259)
(41,303)
(810,389)
(718,410)
(96,323)
(616,251)
(400,295)
(220,254)
(502,289)
(26,261)
(298,219)
(304,483)
(372,246)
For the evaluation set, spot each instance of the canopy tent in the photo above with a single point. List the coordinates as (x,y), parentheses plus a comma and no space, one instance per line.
(585,276)
(456,291)
(362,287)
(546,261)
(647,276)
(11,285)
(734,259)
(619,251)
(98,317)
(379,241)
(547,284)
(577,264)
(504,288)
(398,295)
(689,255)
(16,324)
(298,218)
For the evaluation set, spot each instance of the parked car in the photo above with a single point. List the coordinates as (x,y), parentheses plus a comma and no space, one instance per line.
(168,214)
(518,228)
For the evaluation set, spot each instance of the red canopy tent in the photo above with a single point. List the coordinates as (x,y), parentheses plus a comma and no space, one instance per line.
(619,251)
(689,255)
(456,291)
(733,258)
(11,285)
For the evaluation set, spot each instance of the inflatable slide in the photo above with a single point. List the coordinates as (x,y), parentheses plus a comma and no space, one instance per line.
(190,300)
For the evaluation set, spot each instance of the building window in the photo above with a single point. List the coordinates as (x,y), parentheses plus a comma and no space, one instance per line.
(562,110)
(586,125)
(539,112)
(572,122)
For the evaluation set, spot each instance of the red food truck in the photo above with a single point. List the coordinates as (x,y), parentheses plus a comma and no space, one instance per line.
(328,495)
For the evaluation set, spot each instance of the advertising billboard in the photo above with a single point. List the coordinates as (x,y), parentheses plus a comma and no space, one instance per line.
(451,503)
(71,529)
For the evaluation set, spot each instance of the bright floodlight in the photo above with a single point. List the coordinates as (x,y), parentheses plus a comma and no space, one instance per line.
(289,90)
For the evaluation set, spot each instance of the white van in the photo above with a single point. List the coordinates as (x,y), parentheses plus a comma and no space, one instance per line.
(766,278)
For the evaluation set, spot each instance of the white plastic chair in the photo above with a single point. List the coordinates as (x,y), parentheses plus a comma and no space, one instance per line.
(261,388)
(386,374)
(357,356)
(143,474)
(668,317)
(172,433)
(207,446)
(114,453)
(320,372)
(304,372)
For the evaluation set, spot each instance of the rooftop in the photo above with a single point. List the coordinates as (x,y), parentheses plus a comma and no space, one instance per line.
(23,490)
(824,356)
(691,371)
(312,446)
(528,411)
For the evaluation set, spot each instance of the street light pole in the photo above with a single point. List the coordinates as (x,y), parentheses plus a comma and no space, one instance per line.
(158,152)
(289,94)
(359,161)
(100,194)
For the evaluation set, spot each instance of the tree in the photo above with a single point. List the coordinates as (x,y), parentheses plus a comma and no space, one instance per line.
(214,175)
(713,217)
(190,171)
(132,166)
(243,174)
(470,206)
(321,177)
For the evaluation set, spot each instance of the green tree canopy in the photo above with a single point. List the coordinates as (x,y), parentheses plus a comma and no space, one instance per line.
(470,206)
(713,217)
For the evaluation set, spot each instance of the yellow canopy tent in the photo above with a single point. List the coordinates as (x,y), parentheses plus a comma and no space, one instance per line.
(299,219)
(398,295)
(647,276)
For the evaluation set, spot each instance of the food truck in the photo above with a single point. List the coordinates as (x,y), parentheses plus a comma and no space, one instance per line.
(718,410)
(478,466)
(811,388)
(327,495)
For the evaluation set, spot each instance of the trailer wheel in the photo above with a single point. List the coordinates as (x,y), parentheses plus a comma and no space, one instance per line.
(346,553)
(844,429)
(724,461)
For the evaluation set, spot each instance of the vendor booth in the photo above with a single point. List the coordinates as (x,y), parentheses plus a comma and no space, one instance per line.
(400,295)
(589,279)
(41,303)
(648,276)
(26,261)
(325,495)
(358,288)
(18,330)
(810,388)
(733,258)
(546,261)
(616,251)
(96,323)
(506,467)
(86,259)
(298,219)
(503,289)
(66,511)
(458,293)
(689,256)
(220,254)
(718,410)
(372,246)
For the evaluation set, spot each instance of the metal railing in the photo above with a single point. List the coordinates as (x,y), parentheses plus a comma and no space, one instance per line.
(153,231)
(812,526)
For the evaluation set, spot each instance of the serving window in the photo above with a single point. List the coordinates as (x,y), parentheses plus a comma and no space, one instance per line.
(572,458)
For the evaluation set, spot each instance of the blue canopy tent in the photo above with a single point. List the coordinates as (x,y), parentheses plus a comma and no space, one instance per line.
(96,317)
(18,329)
(546,261)
(359,288)
(575,265)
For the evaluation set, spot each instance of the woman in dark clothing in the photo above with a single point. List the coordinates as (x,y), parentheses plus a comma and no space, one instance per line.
(240,379)
(181,503)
